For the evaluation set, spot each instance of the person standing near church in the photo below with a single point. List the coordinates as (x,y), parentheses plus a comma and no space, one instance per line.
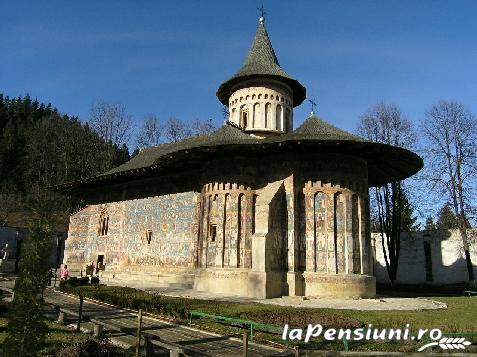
(64,273)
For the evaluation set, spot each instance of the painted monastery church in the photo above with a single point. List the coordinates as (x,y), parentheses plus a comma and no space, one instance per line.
(258,208)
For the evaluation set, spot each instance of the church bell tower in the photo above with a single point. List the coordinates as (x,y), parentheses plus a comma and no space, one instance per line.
(261,95)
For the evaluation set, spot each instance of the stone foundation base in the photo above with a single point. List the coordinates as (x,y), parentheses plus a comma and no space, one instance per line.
(144,280)
(295,284)
(339,285)
(222,281)
(243,282)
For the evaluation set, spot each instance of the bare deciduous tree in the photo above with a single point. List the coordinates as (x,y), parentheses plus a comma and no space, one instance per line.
(384,123)
(111,121)
(451,153)
(176,130)
(151,132)
(202,127)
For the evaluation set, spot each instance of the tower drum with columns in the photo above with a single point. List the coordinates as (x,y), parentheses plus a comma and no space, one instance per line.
(261,95)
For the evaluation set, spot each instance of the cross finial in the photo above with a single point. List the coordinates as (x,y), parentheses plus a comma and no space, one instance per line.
(262,14)
(313,105)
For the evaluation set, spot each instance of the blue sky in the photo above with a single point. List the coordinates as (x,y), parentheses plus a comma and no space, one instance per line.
(169,58)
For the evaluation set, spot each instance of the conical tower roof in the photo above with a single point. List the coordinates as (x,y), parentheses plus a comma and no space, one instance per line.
(261,62)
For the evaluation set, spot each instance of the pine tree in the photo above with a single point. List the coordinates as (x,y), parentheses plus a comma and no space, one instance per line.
(27,329)
(39,148)
(430,225)
(446,218)
(408,219)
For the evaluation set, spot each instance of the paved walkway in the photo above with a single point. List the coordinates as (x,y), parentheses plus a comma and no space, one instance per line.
(207,343)
(379,303)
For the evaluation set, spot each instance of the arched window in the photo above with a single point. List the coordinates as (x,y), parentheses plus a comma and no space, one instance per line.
(103,223)
(268,109)
(256,114)
(278,117)
(213,219)
(288,121)
(243,117)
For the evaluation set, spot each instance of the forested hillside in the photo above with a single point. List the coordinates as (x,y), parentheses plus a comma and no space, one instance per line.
(40,147)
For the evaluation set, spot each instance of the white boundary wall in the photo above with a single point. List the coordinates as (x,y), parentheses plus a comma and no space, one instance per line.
(446,258)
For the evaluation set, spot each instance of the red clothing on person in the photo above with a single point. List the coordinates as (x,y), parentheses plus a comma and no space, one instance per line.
(64,274)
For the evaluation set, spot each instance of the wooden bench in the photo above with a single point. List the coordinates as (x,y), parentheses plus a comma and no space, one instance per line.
(175,349)
(470,293)
(64,313)
(99,325)
(150,340)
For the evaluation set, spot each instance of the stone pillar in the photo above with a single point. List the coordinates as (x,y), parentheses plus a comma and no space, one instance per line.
(233,230)
(264,281)
(219,239)
(309,223)
(331,264)
(227,225)
(356,235)
(205,230)
(294,275)
(248,212)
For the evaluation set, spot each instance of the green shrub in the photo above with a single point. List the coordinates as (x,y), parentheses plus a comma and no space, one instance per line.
(133,299)
(89,347)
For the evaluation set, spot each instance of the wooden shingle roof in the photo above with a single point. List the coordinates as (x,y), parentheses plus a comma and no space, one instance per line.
(261,63)
(386,163)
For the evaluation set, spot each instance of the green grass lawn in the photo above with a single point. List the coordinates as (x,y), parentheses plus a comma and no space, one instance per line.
(59,337)
(460,316)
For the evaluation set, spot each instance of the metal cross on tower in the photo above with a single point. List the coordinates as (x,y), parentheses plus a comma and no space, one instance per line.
(313,105)
(262,12)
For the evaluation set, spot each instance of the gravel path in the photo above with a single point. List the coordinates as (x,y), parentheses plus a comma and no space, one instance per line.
(380,303)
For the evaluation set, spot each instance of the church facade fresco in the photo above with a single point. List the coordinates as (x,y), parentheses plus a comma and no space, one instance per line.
(256,208)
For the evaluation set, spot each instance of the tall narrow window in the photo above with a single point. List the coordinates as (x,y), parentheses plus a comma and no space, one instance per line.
(148,236)
(103,223)
(256,114)
(268,107)
(213,214)
(243,117)
(278,117)
(288,126)
(213,232)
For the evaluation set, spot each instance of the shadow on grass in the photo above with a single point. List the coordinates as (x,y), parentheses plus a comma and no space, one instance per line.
(422,290)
